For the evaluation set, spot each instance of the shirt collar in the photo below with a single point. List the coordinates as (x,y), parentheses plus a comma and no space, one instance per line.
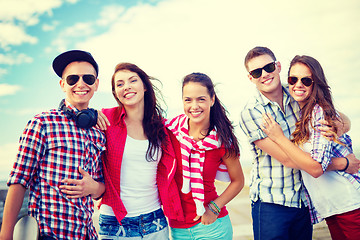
(119,116)
(286,97)
(68,105)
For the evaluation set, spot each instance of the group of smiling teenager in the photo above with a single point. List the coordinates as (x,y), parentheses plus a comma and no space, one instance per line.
(152,172)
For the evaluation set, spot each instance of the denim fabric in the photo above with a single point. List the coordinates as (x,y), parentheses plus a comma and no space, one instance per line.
(221,229)
(146,226)
(274,221)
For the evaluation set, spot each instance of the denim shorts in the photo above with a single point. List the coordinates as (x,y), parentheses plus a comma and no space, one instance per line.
(146,226)
(221,229)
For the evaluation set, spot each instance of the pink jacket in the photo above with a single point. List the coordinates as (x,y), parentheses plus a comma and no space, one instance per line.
(115,143)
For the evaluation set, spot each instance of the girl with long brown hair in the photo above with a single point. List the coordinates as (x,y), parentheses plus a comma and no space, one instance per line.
(335,195)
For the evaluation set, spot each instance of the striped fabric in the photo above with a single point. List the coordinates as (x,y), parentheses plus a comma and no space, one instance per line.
(192,157)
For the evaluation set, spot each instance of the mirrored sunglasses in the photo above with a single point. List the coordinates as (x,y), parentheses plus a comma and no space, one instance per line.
(305,80)
(269,68)
(87,78)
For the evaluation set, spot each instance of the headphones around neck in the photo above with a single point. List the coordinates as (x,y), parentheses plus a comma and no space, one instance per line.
(85,118)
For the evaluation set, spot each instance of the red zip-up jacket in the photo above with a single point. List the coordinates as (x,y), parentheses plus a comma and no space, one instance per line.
(116,135)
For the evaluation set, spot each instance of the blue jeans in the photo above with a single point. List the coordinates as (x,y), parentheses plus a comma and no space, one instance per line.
(274,221)
(146,226)
(221,229)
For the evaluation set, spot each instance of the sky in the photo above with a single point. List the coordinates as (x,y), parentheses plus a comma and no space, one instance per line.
(169,39)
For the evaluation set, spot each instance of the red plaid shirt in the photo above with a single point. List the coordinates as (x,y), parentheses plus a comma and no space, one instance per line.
(115,142)
(51,149)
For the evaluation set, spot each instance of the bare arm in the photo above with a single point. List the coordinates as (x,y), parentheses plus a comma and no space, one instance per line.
(237,183)
(342,126)
(84,187)
(13,203)
(274,150)
(340,164)
(301,158)
(102,121)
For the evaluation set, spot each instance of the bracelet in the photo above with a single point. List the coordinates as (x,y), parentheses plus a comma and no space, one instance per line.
(216,206)
(98,198)
(347,165)
(215,212)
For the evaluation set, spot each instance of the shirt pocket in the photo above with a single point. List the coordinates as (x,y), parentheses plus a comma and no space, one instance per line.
(61,161)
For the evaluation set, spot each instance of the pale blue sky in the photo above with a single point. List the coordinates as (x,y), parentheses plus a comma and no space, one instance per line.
(169,39)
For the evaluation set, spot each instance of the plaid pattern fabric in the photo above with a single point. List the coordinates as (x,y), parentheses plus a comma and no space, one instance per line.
(52,148)
(322,152)
(338,151)
(271,181)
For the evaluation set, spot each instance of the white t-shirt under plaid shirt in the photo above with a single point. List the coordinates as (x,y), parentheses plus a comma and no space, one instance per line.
(271,181)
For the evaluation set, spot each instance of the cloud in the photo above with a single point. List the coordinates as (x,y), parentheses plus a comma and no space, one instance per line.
(11,34)
(110,14)
(173,38)
(26,12)
(7,157)
(50,27)
(3,71)
(13,58)
(7,89)
(17,15)
(66,37)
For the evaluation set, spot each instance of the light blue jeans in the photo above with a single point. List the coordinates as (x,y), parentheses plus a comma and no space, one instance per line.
(221,229)
(148,226)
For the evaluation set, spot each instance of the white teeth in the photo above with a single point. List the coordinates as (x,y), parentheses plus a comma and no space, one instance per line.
(81,93)
(267,81)
(128,95)
(195,113)
(299,91)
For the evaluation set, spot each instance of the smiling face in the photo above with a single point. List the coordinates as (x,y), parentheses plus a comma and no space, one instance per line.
(80,93)
(299,91)
(197,103)
(129,88)
(267,83)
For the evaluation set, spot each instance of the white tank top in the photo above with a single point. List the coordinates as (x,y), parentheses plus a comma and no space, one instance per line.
(138,188)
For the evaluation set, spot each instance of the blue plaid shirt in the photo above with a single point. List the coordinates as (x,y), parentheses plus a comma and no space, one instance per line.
(324,150)
(271,181)
(52,148)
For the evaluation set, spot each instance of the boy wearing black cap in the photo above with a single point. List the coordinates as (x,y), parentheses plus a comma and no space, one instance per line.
(57,146)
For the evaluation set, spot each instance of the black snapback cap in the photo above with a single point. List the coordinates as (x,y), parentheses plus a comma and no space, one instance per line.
(61,61)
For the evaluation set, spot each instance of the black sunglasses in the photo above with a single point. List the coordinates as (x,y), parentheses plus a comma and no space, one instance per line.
(305,80)
(269,68)
(87,78)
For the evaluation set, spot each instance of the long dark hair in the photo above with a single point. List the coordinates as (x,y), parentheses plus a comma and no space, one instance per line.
(218,114)
(321,94)
(152,122)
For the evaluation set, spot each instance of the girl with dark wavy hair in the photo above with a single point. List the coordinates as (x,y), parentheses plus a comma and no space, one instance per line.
(335,195)
(135,140)
(206,148)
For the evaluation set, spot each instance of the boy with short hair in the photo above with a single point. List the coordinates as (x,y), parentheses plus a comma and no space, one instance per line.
(279,205)
(60,144)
